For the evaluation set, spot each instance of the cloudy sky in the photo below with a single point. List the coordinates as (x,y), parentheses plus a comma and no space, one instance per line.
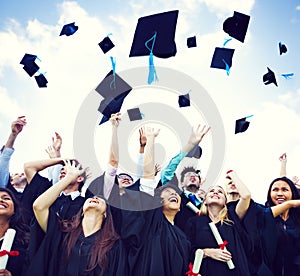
(75,65)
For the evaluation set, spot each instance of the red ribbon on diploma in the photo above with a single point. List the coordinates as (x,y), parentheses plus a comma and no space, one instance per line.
(190,272)
(222,245)
(9,253)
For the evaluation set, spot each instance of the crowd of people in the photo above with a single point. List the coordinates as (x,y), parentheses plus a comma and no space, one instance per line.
(149,226)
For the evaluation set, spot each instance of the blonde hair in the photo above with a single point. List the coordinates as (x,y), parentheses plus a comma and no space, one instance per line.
(223,215)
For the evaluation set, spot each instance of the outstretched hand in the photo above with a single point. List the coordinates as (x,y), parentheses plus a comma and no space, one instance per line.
(17,125)
(74,170)
(115,119)
(198,133)
(282,158)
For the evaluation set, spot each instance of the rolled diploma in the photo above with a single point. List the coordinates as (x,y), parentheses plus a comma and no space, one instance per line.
(197,260)
(193,208)
(6,245)
(219,240)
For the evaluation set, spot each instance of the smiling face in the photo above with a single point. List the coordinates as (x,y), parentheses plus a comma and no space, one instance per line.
(280,192)
(94,203)
(125,180)
(170,199)
(6,205)
(215,195)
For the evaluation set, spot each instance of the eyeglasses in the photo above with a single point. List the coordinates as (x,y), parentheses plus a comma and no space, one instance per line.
(125,176)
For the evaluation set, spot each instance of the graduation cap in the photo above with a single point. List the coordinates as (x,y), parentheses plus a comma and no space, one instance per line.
(106,44)
(222,58)
(29,64)
(269,77)
(41,80)
(184,100)
(191,42)
(68,29)
(241,125)
(164,25)
(104,88)
(134,114)
(195,152)
(110,105)
(282,48)
(237,25)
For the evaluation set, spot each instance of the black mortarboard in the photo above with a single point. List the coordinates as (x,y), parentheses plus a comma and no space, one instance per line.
(196,152)
(184,100)
(221,57)
(109,106)
(69,29)
(105,90)
(29,64)
(237,25)
(282,48)
(191,42)
(269,77)
(164,25)
(41,80)
(241,125)
(134,114)
(106,44)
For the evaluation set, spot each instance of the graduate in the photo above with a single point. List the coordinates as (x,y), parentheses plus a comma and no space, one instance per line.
(85,245)
(11,217)
(227,223)
(154,244)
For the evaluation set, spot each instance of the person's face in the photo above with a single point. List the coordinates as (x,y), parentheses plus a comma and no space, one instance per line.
(280,192)
(18,181)
(125,180)
(230,186)
(215,195)
(96,203)
(201,193)
(170,199)
(6,205)
(191,179)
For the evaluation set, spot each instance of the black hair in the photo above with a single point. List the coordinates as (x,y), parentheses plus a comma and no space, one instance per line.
(186,170)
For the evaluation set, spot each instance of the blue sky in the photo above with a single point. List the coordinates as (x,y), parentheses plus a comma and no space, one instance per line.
(75,65)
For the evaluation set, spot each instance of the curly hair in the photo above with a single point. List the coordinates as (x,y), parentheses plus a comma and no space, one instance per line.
(188,169)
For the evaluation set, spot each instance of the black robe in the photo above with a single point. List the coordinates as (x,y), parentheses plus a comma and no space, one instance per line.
(49,260)
(201,236)
(154,245)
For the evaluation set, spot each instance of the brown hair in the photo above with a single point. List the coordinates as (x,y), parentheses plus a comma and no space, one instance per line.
(104,241)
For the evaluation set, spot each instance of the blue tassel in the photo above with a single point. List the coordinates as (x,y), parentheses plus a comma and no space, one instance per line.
(227,68)
(226,41)
(287,76)
(113,82)
(152,76)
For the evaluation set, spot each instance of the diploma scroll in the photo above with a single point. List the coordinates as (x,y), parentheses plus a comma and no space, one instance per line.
(219,240)
(197,260)
(6,246)
(193,208)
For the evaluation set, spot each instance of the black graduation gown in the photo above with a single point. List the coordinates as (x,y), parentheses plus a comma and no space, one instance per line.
(201,236)
(287,258)
(50,260)
(154,245)
(185,212)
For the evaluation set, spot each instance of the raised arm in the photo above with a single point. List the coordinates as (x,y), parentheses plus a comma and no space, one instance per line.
(149,162)
(284,206)
(283,160)
(32,167)
(140,161)
(7,151)
(244,193)
(42,204)
(195,138)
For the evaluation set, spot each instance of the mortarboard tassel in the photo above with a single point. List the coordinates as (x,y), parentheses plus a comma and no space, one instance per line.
(226,41)
(287,76)
(113,82)
(227,67)
(152,76)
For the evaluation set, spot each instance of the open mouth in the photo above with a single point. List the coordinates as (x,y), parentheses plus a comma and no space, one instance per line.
(3,206)
(280,200)
(173,199)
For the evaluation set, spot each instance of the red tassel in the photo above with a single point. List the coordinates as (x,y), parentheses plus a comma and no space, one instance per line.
(190,272)
(9,253)
(222,245)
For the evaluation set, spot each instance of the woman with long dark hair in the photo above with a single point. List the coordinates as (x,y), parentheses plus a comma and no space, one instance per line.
(85,245)
(282,197)
(11,217)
